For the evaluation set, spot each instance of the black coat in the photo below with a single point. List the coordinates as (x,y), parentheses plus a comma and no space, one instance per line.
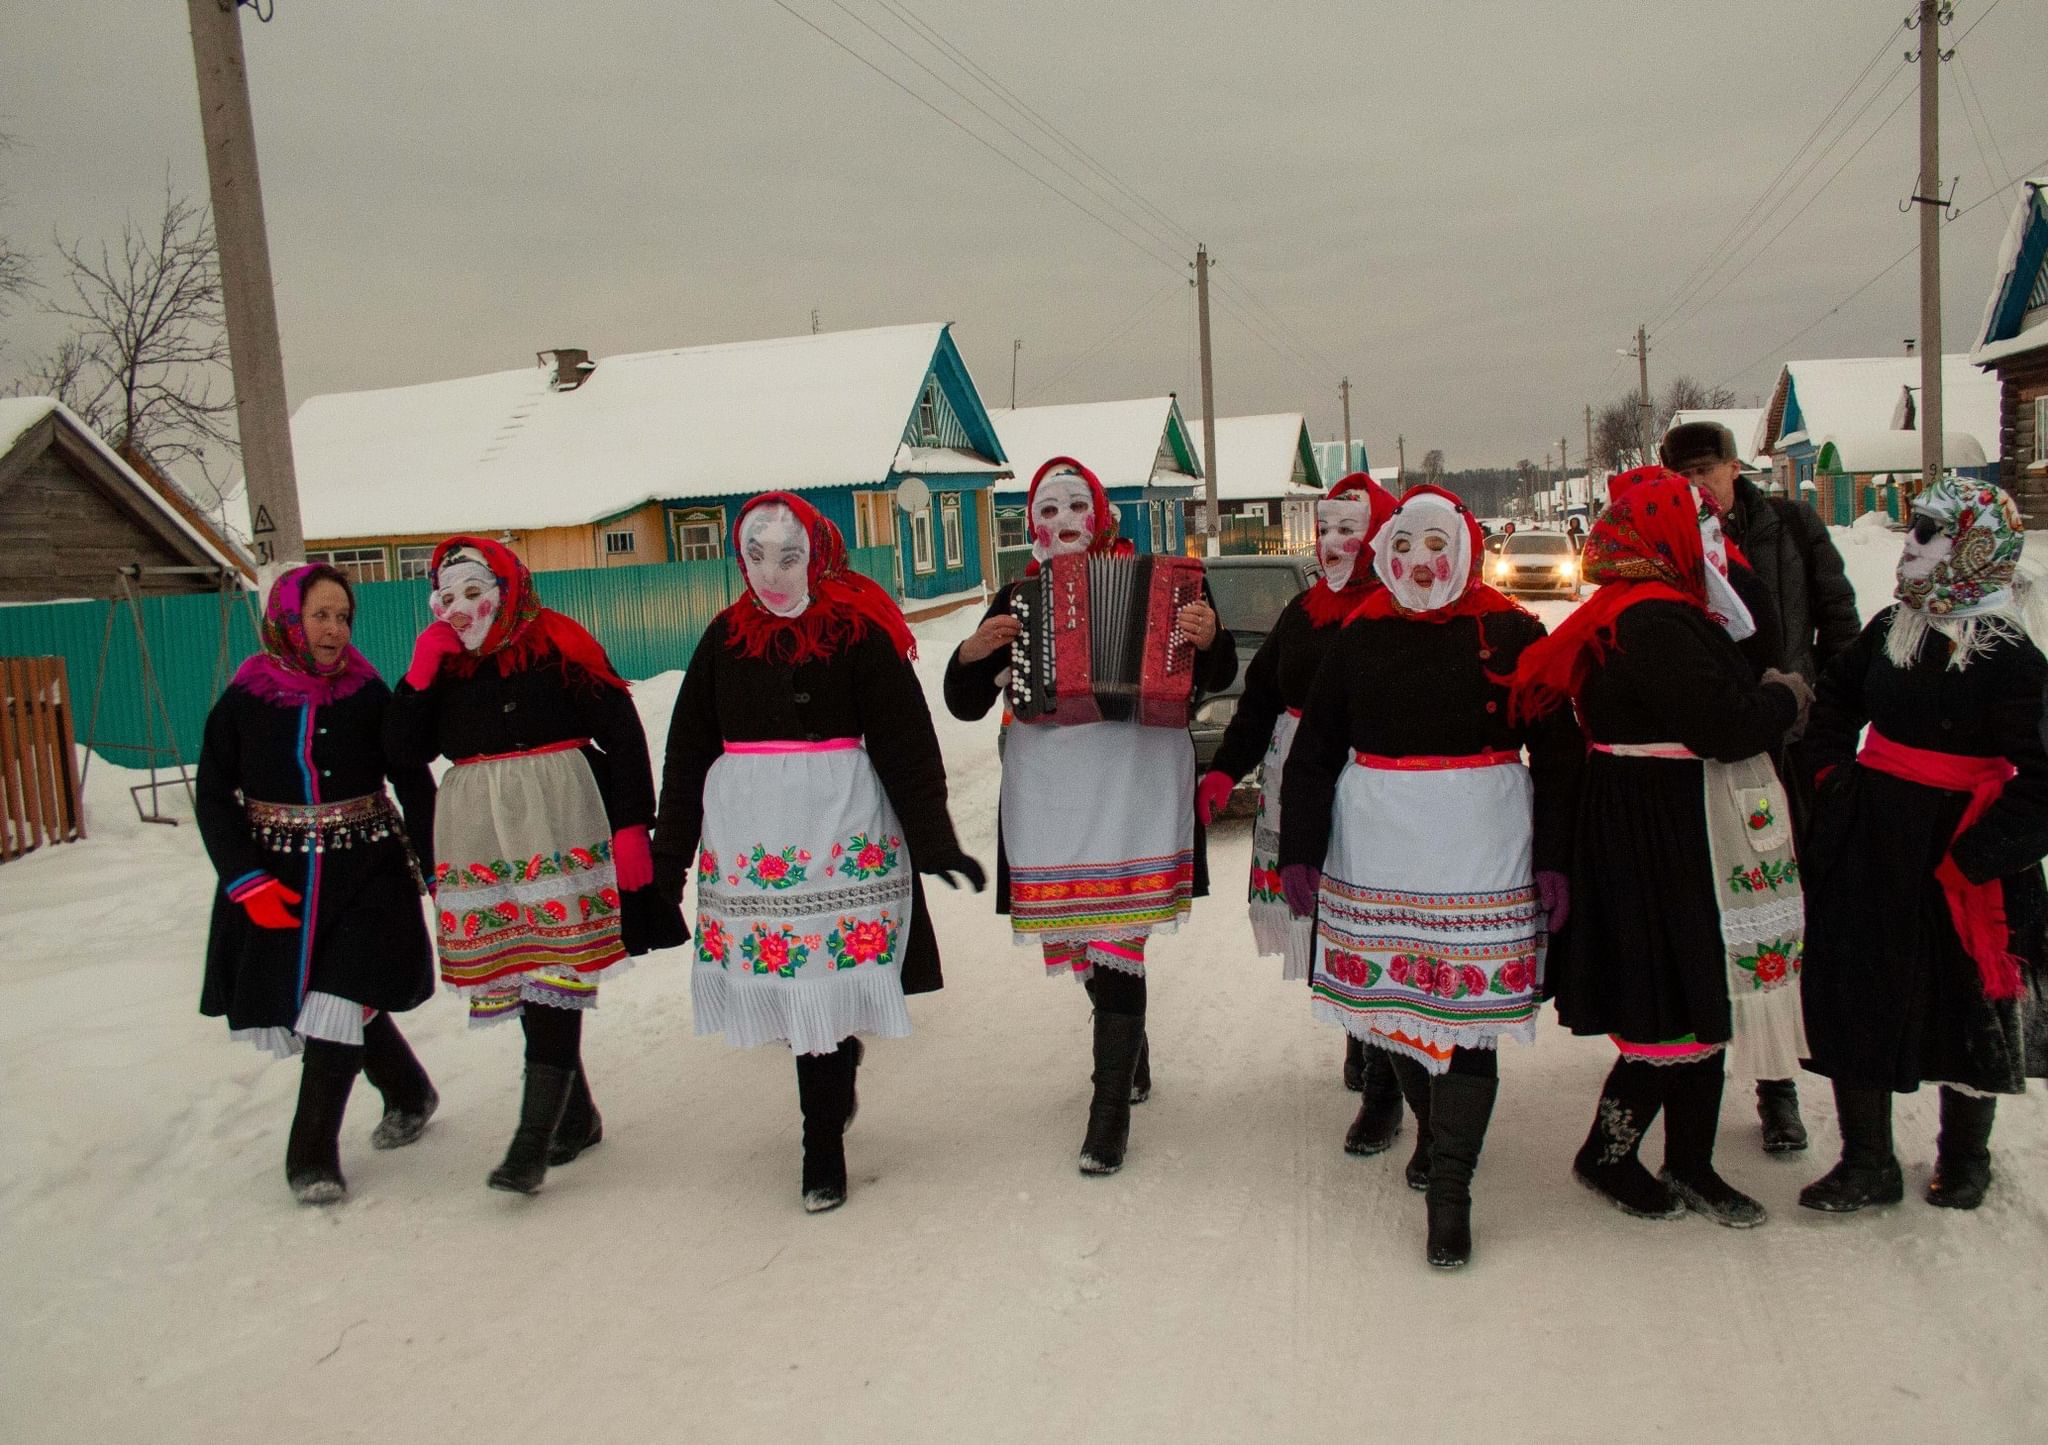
(972,689)
(866,690)
(365,938)
(1279,676)
(546,702)
(1892,999)
(1789,547)
(1398,687)
(1642,955)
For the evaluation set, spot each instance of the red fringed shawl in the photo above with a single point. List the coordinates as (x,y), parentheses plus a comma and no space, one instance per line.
(524,634)
(843,605)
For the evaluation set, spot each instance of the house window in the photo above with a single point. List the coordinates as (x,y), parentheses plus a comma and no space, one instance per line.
(949,518)
(1159,526)
(358,564)
(928,414)
(413,563)
(621,543)
(699,534)
(874,519)
(921,542)
(1010,528)
(2041,426)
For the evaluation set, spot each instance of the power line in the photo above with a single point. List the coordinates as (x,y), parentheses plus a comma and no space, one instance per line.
(2004,173)
(1115,334)
(1981,18)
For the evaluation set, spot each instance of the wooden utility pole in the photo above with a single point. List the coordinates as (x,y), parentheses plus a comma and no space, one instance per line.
(1933,14)
(1015,347)
(262,419)
(1589,456)
(1212,526)
(1643,371)
(1344,390)
(1400,465)
(1564,475)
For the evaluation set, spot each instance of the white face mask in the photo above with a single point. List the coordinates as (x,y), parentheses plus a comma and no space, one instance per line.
(1062,516)
(1424,554)
(467,598)
(1724,605)
(1340,536)
(776,553)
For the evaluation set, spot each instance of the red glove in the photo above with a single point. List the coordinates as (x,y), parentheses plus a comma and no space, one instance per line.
(1299,884)
(436,645)
(633,857)
(265,904)
(1211,794)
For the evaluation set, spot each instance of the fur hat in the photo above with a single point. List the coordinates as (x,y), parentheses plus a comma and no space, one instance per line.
(1697,441)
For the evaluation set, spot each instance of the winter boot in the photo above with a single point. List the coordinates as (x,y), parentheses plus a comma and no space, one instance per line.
(860,1052)
(1118,1038)
(312,1153)
(1869,1172)
(1692,1117)
(548,1087)
(1379,1112)
(824,1091)
(1777,1108)
(1412,1080)
(1459,1107)
(1607,1162)
(1354,1064)
(394,1072)
(1962,1159)
(582,1126)
(1141,1082)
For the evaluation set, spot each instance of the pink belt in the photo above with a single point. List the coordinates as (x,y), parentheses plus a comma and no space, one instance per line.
(1676,751)
(793,745)
(568,745)
(1494,758)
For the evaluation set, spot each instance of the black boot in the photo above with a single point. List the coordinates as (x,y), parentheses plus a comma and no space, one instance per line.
(1868,1172)
(1777,1108)
(1607,1162)
(824,1091)
(540,1112)
(393,1071)
(1354,1064)
(582,1126)
(1962,1160)
(1141,1081)
(312,1153)
(1118,1037)
(1692,1119)
(1379,1112)
(1413,1082)
(1459,1107)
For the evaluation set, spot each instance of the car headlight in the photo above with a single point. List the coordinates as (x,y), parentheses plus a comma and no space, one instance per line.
(1567,570)
(1216,712)
(1500,570)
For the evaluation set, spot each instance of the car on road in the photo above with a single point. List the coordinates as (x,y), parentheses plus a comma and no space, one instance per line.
(1536,562)
(1250,594)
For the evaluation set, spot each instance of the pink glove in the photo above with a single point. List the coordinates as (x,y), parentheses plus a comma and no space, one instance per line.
(436,645)
(265,902)
(1211,794)
(633,857)
(1299,883)
(1555,891)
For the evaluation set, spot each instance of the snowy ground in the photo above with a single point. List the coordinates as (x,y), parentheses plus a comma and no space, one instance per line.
(1242,1278)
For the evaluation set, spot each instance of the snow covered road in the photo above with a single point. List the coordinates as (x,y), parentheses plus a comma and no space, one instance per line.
(1241,1278)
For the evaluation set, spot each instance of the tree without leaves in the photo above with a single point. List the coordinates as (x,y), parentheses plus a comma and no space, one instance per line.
(1617,440)
(1433,466)
(16,275)
(1687,394)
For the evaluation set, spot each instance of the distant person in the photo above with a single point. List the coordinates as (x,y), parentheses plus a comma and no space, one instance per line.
(1788,548)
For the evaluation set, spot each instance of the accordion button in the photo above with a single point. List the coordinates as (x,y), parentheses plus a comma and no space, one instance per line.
(800,697)
(1485,653)
(1493,707)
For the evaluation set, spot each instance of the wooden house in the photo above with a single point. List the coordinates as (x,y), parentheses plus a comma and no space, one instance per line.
(1334,460)
(1266,485)
(1139,450)
(74,513)
(2012,346)
(647,457)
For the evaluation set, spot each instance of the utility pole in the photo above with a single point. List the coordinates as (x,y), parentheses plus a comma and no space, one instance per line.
(1400,465)
(1344,390)
(814,321)
(1589,456)
(1015,347)
(1564,476)
(248,297)
(1933,14)
(1212,526)
(1642,354)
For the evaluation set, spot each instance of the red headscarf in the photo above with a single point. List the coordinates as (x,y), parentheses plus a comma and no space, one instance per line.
(1325,605)
(1477,600)
(523,633)
(843,605)
(1105,542)
(1645,548)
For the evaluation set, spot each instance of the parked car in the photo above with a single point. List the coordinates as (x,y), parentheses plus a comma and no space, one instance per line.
(1250,593)
(1531,562)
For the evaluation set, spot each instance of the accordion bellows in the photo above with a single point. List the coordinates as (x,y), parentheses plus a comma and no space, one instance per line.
(1099,642)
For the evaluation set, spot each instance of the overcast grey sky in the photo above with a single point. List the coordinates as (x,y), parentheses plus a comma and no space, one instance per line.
(1467,207)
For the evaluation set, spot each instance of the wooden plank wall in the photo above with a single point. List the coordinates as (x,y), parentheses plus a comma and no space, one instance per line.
(38,763)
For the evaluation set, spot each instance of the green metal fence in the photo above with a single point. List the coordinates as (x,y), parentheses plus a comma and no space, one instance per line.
(648,618)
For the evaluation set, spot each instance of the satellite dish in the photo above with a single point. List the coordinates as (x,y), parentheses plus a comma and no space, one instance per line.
(1116,511)
(912,495)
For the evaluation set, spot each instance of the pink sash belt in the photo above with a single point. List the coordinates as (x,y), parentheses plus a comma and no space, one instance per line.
(794,745)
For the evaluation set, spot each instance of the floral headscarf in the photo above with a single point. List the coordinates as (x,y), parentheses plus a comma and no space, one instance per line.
(285,672)
(1964,546)
(843,606)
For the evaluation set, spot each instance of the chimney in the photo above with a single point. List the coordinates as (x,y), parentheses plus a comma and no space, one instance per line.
(571,366)
(1911,346)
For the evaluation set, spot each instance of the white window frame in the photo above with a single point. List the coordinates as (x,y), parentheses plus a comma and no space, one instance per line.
(702,548)
(410,562)
(949,524)
(1159,526)
(1008,518)
(621,542)
(928,413)
(356,563)
(921,560)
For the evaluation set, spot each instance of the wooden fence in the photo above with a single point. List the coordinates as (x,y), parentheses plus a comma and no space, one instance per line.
(38,764)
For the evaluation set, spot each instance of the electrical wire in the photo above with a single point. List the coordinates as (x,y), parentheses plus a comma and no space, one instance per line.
(1115,334)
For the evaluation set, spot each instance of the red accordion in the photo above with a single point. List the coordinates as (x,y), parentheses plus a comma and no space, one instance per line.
(1099,641)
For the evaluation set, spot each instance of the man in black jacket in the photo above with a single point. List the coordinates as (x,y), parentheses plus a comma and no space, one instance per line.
(1788,547)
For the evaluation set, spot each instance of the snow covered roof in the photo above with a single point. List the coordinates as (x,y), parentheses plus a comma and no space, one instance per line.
(1865,452)
(1262,457)
(1743,421)
(508,450)
(1852,394)
(20,415)
(1385,476)
(1120,441)
(2016,316)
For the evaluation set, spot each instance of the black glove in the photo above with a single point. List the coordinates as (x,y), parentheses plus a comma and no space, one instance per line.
(965,866)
